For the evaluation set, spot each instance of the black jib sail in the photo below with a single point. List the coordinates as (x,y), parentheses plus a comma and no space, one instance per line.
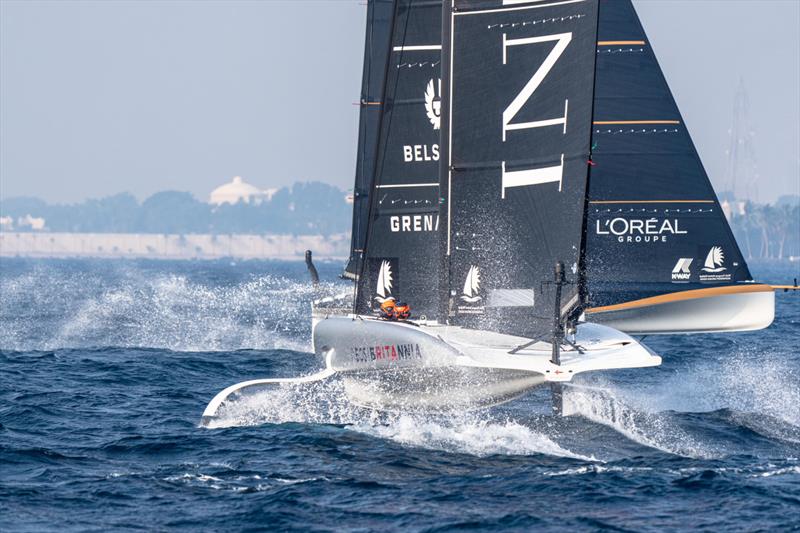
(517,123)
(654,223)
(401,244)
(376,56)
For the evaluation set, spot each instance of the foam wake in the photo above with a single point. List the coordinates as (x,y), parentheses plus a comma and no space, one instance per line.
(607,406)
(476,433)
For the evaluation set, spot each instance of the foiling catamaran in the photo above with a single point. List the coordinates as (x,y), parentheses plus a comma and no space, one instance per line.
(526,183)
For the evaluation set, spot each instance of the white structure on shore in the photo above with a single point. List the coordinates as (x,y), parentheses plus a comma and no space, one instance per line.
(34,223)
(239,191)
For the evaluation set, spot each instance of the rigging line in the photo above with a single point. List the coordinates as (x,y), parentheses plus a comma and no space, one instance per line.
(358,199)
(583,291)
(370,197)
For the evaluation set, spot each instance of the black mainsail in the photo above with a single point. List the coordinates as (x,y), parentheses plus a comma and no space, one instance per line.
(401,242)
(376,57)
(654,223)
(516,143)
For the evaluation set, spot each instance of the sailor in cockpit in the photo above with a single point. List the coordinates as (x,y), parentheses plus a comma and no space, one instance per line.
(391,310)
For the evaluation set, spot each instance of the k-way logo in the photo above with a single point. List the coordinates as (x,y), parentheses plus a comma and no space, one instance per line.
(636,230)
(681,272)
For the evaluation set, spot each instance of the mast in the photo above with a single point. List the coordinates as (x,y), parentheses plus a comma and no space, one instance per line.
(583,288)
(376,57)
(403,220)
(445,296)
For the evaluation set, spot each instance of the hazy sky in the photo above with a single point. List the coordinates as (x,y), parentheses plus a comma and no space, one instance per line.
(98,98)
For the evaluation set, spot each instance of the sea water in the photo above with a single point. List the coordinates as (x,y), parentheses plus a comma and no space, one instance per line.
(106,367)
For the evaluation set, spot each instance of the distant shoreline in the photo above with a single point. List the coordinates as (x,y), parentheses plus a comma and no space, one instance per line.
(172,246)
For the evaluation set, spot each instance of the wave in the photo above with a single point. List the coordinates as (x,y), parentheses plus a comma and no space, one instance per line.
(606,406)
(742,380)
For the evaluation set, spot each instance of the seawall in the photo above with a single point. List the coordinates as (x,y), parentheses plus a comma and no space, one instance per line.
(168,246)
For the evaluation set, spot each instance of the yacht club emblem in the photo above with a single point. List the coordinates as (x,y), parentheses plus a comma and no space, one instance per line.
(714,260)
(472,285)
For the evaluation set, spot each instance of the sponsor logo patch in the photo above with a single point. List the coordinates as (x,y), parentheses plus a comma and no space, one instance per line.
(413,223)
(470,296)
(385,352)
(681,272)
(472,285)
(420,153)
(639,230)
(433,102)
(714,266)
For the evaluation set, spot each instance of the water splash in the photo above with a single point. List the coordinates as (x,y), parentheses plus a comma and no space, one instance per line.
(135,309)
(475,433)
(606,405)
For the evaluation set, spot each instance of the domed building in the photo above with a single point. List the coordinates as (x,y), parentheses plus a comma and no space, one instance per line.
(238,191)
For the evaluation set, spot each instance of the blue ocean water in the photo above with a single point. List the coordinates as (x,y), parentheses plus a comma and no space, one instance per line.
(106,366)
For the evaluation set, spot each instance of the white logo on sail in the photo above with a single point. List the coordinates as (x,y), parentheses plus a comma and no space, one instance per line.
(433,103)
(714,260)
(681,271)
(472,285)
(384,288)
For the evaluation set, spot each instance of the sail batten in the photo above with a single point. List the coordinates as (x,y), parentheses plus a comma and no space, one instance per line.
(376,56)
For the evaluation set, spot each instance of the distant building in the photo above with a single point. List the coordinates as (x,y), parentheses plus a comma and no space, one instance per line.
(238,191)
(733,207)
(35,223)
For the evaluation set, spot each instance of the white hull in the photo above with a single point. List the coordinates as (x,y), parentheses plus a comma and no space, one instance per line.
(404,366)
(732,308)
(397,365)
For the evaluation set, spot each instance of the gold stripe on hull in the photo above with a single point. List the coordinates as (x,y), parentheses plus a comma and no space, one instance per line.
(681,296)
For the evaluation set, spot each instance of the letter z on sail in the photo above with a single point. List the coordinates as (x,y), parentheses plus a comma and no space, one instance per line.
(537,176)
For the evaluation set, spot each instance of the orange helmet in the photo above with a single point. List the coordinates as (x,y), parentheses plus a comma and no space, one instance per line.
(388,309)
(402,310)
